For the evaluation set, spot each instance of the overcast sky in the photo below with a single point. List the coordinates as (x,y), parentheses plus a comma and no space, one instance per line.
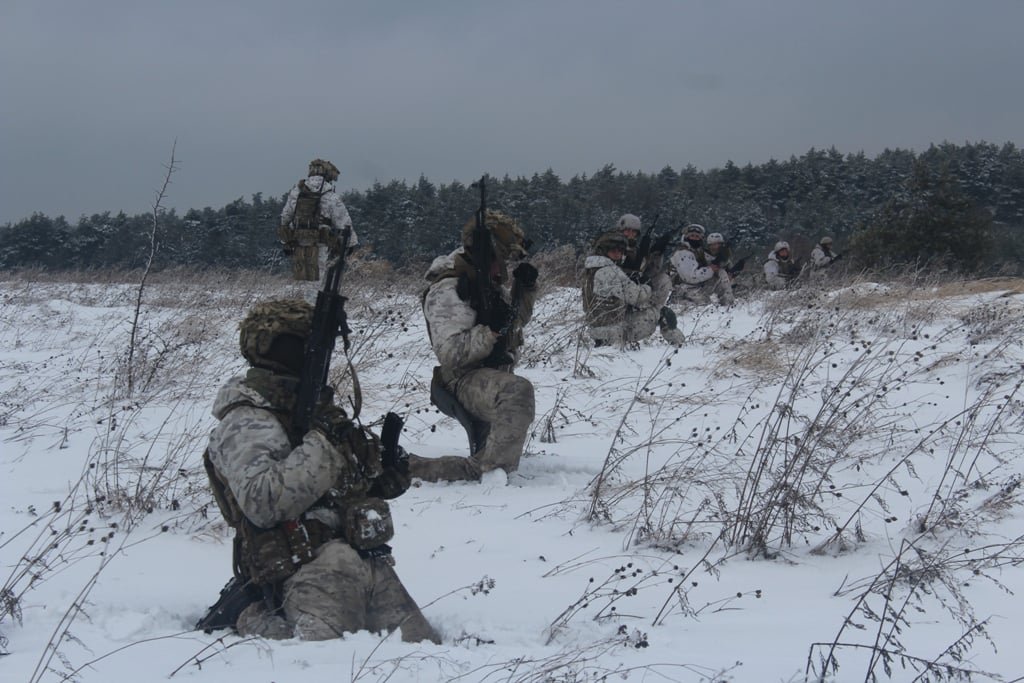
(93,94)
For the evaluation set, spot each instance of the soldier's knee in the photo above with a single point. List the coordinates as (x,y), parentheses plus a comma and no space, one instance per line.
(337,559)
(522,395)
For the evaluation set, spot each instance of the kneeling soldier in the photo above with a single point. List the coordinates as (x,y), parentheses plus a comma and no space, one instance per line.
(309,512)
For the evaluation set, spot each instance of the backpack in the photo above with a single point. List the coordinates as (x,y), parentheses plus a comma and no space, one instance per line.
(307,207)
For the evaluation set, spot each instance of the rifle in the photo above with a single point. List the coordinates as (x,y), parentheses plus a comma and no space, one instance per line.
(329,322)
(720,259)
(391,456)
(642,250)
(484,295)
(235,596)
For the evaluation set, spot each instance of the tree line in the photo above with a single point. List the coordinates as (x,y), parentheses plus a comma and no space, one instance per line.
(962,205)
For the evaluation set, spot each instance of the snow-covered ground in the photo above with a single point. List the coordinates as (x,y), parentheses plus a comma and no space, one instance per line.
(841,468)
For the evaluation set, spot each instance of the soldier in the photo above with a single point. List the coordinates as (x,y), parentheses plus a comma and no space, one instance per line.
(477,353)
(780,271)
(822,255)
(620,311)
(309,512)
(697,274)
(313,219)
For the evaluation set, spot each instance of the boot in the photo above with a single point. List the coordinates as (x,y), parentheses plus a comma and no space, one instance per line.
(445,468)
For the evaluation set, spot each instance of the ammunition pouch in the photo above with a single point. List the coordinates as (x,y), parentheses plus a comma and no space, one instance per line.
(269,556)
(368,523)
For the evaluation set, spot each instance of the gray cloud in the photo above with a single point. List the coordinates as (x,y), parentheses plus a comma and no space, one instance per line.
(93,94)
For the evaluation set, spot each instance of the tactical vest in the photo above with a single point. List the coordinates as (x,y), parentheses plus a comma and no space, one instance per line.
(268,556)
(307,208)
(788,268)
(601,311)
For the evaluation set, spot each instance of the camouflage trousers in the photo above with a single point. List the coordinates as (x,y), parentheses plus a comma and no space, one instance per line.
(720,286)
(638,323)
(339,592)
(503,400)
(306,261)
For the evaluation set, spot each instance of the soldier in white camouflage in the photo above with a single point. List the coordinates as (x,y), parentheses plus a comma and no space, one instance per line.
(309,510)
(822,257)
(781,270)
(620,311)
(313,220)
(476,359)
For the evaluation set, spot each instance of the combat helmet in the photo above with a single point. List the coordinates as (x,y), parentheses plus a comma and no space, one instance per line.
(507,238)
(629,221)
(695,228)
(269,320)
(825,241)
(714,238)
(607,241)
(324,168)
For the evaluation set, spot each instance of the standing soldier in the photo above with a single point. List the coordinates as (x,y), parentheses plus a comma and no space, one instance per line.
(313,219)
(620,311)
(308,509)
(477,349)
(781,271)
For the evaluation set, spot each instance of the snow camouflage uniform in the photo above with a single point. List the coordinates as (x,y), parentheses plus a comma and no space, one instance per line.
(312,220)
(310,520)
(822,257)
(695,279)
(489,392)
(780,272)
(620,311)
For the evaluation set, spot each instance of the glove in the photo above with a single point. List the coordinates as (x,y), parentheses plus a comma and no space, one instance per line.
(525,274)
(391,483)
(334,423)
(500,315)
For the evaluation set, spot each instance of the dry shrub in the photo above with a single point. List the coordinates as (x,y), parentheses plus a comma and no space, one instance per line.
(558,267)
(762,357)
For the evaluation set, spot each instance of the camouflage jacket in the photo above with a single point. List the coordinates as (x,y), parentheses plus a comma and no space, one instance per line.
(821,258)
(608,293)
(778,274)
(691,266)
(459,343)
(271,480)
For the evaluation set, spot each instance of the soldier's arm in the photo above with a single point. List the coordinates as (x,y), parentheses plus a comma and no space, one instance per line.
(611,283)
(527,298)
(271,480)
(339,216)
(454,335)
(690,271)
(288,212)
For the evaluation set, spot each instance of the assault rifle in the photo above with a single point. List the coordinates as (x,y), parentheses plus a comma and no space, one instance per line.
(485,297)
(722,257)
(391,456)
(643,250)
(329,322)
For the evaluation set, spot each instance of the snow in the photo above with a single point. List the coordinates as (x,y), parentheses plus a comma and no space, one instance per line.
(528,577)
